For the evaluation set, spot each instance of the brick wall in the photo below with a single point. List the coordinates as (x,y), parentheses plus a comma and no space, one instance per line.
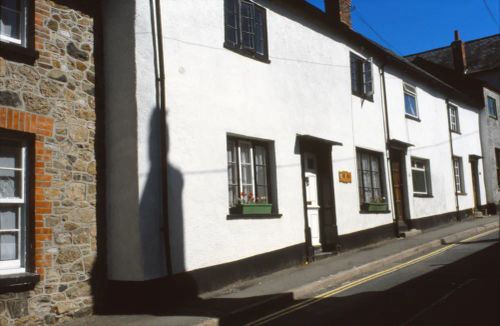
(54,100)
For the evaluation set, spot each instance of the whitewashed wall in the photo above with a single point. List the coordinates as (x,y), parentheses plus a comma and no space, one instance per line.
(430,138)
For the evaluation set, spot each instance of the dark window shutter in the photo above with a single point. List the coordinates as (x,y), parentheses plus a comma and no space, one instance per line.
(367,79)
(260,30)
(355,75)
(231,19)
(247,16)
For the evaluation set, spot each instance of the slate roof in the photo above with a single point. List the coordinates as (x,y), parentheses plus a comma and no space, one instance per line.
(482,54)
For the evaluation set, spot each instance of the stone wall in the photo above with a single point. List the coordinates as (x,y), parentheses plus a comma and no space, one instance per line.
(54,99)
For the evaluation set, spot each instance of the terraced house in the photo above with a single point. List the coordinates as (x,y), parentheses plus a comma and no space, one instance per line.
(47,160)
(259,134)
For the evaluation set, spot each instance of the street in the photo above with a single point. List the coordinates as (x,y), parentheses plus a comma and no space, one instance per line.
(460,286)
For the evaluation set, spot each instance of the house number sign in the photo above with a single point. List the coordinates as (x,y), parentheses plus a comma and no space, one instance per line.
(345,176)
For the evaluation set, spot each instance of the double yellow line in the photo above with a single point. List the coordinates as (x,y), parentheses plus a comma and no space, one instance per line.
(371,277)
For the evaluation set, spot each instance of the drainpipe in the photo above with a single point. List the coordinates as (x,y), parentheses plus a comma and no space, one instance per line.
(161,102)
(457,205)
(387,134)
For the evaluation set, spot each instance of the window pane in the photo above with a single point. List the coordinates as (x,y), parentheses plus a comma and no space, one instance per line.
(365,162)
(367,179)
(8,246)
(492,107)
(247,26)
(419,183)
(232,174)
(260,155)
(231,21)
(8,218)
(376,180)
(368,82)
(10,184)
(261,175)
(10,23)
(247,190)
(233,196)
(368,195)
(262,196)
(410,105)
(245,153)
(246,174)
(375,167)
(10,155)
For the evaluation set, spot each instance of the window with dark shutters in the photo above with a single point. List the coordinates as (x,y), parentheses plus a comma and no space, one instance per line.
(361,77)
(245,29)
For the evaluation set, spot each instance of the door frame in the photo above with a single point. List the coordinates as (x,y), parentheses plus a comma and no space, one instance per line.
(476,190)
(400,149)
(323,150)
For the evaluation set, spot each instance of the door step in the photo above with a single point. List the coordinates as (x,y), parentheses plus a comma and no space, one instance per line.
(320,254)
(410,233)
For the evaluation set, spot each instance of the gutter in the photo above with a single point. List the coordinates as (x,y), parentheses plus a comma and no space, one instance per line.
(161,103)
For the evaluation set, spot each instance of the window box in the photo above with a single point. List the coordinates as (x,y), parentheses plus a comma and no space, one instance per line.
(252,209)
(375,207)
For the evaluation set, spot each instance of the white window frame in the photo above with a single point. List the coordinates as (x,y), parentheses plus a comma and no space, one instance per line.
(427,174)
(23,14)
(458,174)
(15,265)
(411,90)
(454,125)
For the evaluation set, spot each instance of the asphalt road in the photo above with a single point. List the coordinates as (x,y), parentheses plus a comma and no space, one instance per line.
(460,286)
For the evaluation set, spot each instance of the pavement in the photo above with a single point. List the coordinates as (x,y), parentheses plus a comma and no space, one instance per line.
(297,283)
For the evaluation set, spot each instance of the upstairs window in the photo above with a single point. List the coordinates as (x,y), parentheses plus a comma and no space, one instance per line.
(13,23)
(248,171)
(420,170)
(453,118)
(245,28)
(361,77)
(410,94)
(492,107)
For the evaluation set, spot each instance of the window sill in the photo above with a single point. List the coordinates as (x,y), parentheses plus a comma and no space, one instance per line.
(411,117)
(381,212)
(423,195)
(461,193)
(456,132)
(363,97)
(22,280)
(18,53)
(493,117)
(248,54)
(253,216)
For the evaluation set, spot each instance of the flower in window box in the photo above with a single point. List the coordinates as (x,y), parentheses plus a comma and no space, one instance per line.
(249,205)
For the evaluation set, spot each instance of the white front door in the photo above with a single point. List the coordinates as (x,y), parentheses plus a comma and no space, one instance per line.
(311,180)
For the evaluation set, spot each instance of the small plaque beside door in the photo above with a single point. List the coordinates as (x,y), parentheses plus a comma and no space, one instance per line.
(345,176)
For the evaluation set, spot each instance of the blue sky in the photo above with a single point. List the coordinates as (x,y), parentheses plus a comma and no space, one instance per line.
(410,26)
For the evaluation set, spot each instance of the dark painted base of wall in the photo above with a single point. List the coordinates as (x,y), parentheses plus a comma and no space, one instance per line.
(366,237)
(436,220)
(163,295)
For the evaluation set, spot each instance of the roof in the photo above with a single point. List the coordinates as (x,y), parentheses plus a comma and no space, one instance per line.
(482,54)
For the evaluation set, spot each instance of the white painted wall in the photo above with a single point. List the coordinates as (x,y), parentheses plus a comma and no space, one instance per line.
(212,92)
(430,138)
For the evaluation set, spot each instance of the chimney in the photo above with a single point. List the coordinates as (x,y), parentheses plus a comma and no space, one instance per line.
(339,11)
(459,57)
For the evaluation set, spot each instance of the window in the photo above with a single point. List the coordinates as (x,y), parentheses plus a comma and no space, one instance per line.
(245,28)
(361,77)
(13,21)
(410,94)
(492,107)
(497,154)
(458,174)
(420,170)
(248,172)
(13,205)
(370,176)
(453,118)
